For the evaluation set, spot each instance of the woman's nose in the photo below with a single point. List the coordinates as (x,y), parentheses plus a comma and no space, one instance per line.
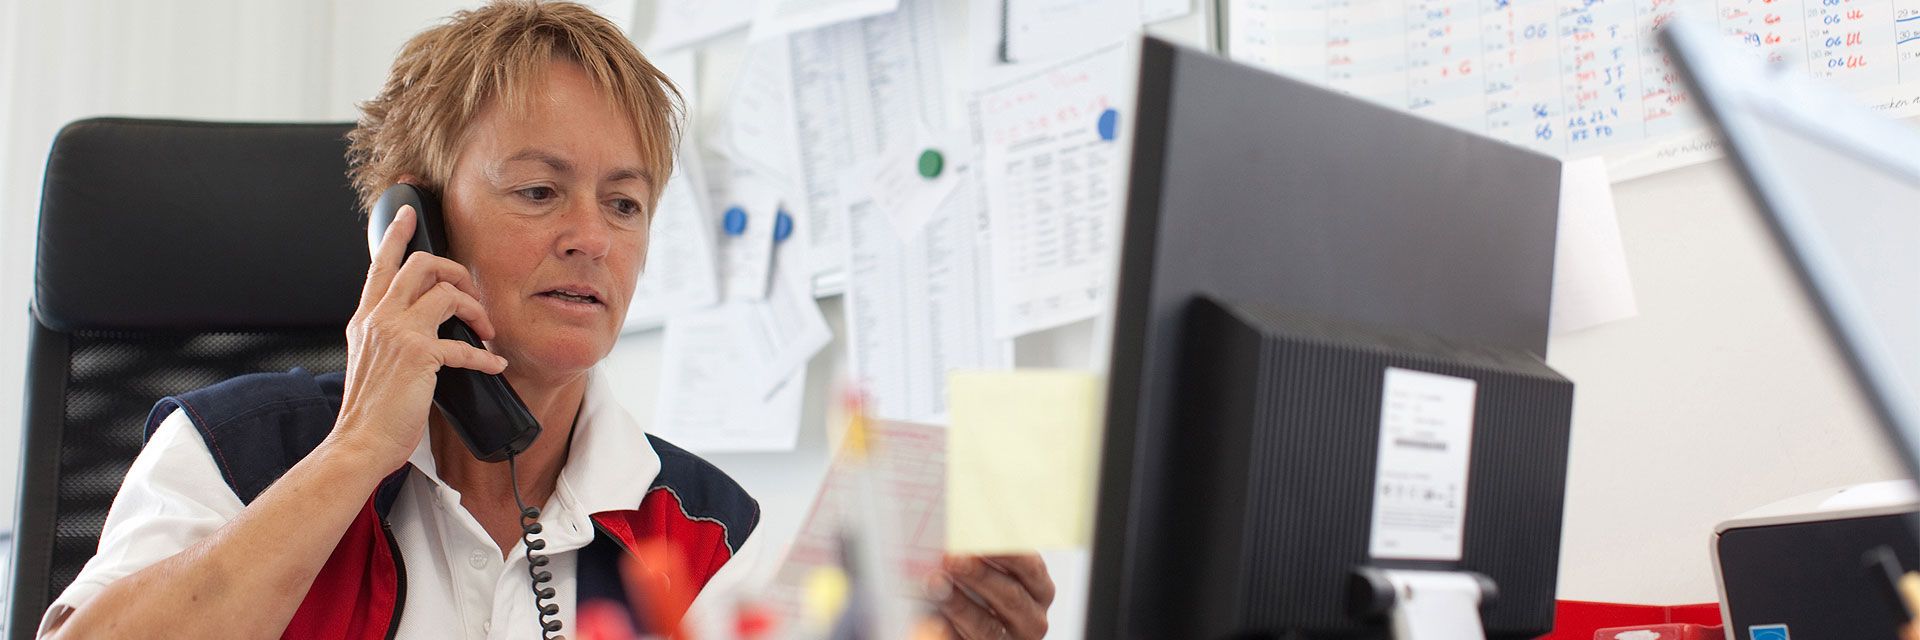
(584,232)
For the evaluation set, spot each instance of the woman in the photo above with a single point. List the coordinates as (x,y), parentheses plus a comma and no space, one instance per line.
(343,505)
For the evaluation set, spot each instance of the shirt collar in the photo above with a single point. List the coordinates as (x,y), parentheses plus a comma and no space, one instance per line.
(610,464)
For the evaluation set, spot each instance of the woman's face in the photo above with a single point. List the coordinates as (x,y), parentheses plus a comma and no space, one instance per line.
(548,209)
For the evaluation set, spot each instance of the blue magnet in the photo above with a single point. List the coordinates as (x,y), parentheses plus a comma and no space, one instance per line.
(735,221)
(782,226)
(1109,124)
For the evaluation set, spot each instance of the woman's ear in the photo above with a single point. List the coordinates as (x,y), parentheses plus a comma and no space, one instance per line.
(407,178)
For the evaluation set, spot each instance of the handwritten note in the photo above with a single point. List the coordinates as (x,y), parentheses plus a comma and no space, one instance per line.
(1051,163)
(1570,77)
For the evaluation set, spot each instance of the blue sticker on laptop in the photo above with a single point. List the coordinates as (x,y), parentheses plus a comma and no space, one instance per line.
(1768,632)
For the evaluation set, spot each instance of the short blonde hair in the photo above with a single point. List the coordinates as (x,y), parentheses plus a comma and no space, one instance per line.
(445,76)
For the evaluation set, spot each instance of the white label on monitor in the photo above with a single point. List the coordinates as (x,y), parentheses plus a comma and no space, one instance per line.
(1420,479)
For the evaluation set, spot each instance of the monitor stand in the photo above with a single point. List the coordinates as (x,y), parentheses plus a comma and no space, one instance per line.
(1425,605)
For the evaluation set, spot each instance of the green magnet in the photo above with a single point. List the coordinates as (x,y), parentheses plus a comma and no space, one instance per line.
(930,164)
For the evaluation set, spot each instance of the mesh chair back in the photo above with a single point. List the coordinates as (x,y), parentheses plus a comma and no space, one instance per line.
(172,255)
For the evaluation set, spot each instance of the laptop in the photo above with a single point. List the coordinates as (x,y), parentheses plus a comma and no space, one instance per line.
(1839,187)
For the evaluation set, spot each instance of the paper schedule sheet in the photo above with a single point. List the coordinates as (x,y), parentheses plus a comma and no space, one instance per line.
(858,88)
(907,469)
(913,304)
(1572,78)
(1051,164)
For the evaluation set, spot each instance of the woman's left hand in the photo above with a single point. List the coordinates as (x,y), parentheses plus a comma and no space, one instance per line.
(996,597)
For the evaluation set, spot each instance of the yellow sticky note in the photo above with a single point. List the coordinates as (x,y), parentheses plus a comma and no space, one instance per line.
(1020,459)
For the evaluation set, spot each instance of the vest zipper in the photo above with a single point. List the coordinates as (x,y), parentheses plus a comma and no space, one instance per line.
(400,573)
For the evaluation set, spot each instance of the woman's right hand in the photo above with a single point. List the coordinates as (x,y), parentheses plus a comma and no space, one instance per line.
(394,349)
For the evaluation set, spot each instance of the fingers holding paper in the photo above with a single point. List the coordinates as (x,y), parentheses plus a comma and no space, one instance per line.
(1001,596)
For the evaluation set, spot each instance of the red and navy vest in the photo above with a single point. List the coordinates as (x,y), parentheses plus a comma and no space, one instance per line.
(258,426)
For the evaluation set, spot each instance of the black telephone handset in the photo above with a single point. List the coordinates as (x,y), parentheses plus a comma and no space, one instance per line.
(481,407)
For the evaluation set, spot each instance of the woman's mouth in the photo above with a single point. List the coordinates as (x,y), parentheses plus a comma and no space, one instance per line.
(572,295)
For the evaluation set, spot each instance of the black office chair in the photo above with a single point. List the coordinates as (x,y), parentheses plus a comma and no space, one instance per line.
(172,255)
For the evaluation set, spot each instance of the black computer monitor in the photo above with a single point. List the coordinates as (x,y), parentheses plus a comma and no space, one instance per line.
(1265,214)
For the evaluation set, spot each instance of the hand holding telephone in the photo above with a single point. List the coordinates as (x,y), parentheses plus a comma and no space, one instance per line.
(490,418)
(481,407)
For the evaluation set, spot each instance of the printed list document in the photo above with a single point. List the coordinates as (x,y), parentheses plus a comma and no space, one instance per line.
(915,306)
(702,404)
(858,89)
(681,274)
(1052,168)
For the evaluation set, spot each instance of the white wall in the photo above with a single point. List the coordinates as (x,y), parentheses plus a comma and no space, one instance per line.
(1718,398)
(227,59)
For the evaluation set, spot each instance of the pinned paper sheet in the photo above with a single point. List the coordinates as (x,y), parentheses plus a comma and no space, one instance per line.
(1042,30)
(1020,460)
(913,310)
(1591,285)
(683,70)
(909,181)
(1052,162)
(858,88)
(681,273)
(745,207)
(702,406)
(678,23)
(619,12)
(757,127)
(783,332)
(781,17)
(1157,10)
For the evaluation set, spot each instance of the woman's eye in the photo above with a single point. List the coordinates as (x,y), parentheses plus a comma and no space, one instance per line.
(627,208)
(537,194)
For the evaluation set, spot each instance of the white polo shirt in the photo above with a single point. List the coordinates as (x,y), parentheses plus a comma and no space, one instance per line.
(456,579)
